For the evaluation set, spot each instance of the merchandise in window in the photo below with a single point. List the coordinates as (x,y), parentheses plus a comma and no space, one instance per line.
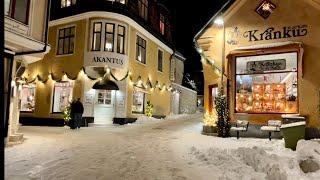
(66,40)
(141,50)
(17,9)
(104,97)
(160,60)
(121,38)
(28,93)
(67,3)
(96,40)
(138,102)
(267,84)
(162,24)
(143,8)
(109,37)
(62,96)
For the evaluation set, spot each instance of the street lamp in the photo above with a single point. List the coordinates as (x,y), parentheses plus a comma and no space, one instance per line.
(219,22)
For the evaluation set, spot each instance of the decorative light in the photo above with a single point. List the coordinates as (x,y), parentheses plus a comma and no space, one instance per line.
(219,21)
(108,70)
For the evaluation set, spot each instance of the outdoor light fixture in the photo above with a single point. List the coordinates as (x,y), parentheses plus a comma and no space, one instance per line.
(219,21)
(199,50)
(265,8)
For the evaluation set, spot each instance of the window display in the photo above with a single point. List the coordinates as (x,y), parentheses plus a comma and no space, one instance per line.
(138,102)
(267,84)
(28,98)
(104,97)
(62,96)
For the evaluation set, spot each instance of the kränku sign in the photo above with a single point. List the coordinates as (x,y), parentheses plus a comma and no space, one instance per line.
(270,33)
(266,65)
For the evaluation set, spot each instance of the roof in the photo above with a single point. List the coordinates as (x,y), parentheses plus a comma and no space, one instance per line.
(179,55)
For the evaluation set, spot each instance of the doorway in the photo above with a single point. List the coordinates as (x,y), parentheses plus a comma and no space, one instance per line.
(104,107)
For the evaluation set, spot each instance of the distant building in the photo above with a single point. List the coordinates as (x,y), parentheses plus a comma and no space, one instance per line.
(25,24)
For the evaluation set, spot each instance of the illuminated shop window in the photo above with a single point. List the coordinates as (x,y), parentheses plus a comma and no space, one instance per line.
(141,50)
(267,84)
(62,96)
(118,1)
(160,60)
(96,40)
(121,38)
(143,8)
(28,94)
(67,3)
(104,97)
(17,9)
(66,40)
(109,37)
(138,102)
(162,24)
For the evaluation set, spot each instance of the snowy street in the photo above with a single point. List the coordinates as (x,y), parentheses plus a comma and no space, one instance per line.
(152,149)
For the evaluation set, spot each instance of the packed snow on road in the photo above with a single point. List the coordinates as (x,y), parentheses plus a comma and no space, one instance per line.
(159,149)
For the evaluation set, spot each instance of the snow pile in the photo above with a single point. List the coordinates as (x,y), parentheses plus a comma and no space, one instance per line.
(145,120)
(309,156)
(183,116)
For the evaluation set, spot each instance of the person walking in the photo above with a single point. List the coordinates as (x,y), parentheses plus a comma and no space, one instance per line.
(77,110)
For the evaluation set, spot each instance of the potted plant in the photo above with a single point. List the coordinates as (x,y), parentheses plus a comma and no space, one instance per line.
(210,123)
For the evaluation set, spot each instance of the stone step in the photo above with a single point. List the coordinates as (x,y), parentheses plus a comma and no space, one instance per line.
(18,137)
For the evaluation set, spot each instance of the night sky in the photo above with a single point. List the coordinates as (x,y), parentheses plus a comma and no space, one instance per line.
(188,17)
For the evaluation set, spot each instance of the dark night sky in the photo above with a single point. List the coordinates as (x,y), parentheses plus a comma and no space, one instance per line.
(188,18)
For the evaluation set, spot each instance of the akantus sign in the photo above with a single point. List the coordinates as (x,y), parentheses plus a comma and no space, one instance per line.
(270,33)
(106,59)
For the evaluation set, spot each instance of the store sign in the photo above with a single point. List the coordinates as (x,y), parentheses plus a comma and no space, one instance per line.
(112,60)
(267,65)
(271,33)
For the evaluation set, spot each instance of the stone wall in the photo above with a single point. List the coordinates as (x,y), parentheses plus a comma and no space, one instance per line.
(188,99)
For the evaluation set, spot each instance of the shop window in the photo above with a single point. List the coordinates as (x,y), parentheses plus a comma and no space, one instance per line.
(267,84)
(160,60)
(96,40)
(162,24)
(138,102)
(62,96)
(121,39)
(213,93)
(118,1)
(141,50)
(66,40)
(17,9)
(104,97)
(109,37)
(28,93)
(143,8)
(67,3)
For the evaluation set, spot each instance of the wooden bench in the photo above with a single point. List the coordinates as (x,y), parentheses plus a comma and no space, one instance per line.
(241,125)
(273,126)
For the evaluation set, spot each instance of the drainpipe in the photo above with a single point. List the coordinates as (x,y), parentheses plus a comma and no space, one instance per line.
(45,34)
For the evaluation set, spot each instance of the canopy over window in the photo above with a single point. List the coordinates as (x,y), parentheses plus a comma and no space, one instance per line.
(105,84)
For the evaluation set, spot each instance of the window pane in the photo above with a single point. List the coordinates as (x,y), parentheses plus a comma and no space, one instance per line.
(97,27)
(110,28)
(71,44)
(120,45)
(28,98)
(7,7)
(121,30)
(96,41)
(72,31)
(109,42)
(138,102)
(160,54)
(62,96)
(66,46)
(21,10)
(60,48)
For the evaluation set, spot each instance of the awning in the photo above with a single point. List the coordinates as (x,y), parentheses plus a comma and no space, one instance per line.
(105,84)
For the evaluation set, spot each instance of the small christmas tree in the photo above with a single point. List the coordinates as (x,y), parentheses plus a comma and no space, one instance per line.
(223,115)
(149,109)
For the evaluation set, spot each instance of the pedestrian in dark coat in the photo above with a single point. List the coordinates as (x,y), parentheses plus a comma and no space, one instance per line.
(77,111)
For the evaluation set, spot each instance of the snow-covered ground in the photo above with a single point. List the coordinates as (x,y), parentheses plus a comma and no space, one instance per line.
(170,148)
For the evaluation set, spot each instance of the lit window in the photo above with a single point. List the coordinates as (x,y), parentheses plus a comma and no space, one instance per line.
(28,93)
(162,24)
(109,37)
(96,40)
(267,84)
(66,40)
(118,1)
(121,38)
(104,97)
(62,96)
(141,50)
(143,8)
(160,60)
(138,102)
(67,3)
(18,10)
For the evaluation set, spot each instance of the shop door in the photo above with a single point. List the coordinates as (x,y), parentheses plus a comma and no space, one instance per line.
(175,103)
(104,107)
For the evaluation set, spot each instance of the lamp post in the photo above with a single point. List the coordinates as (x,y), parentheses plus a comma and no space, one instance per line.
(219,22)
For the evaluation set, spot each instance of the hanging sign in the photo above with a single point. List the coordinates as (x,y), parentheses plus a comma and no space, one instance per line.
(102,59)
(266,65)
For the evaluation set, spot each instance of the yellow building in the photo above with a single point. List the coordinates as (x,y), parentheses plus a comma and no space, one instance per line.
(267,51)
(105,56)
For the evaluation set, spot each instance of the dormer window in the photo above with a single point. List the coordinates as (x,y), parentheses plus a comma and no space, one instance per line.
(67,3)
(162,24)
(143,9)
(18,10)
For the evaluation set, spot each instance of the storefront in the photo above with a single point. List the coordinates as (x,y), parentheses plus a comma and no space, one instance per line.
(267,51)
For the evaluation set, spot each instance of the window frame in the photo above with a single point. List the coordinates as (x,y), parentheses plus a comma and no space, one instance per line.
(53,95)
(162,24)
(138,46)
(143,7)
(123,39)
(144,102)
(105,36)
(64,37)
(96,32)
(12,10)
(162,52)
(35,94)
(235,74)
